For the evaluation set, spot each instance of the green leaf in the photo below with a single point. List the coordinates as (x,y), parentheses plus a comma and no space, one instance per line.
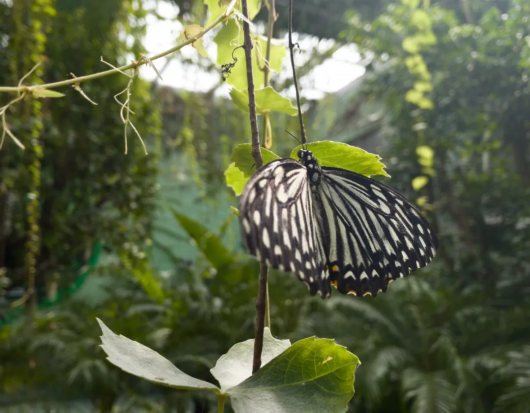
(341,155)
(228,38)
(313,375)
(425,152)
(141,361)
(45,93)
(207,242)
(145,276)
(419,182)
(217,7)
(242,166)
(267,100)
(236,366)
(234,210)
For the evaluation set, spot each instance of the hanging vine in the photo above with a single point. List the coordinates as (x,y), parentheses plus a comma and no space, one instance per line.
(32,19)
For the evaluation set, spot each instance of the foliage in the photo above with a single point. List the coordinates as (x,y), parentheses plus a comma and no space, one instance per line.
(452,338)
(295,378)
(81,154)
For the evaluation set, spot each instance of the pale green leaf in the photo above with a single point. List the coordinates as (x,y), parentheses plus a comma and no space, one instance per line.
(236,365)
(267,100)
(45,93)
(141,361)
(421,19)
(242,166)
(313,375)
(344,156)
(419,182)
(426,155)
(235,178)
(234,210)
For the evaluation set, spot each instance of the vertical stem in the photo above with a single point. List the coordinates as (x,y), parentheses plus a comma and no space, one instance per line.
(221,398)
(256,154)
(267,307)
(291,47)
(260,318)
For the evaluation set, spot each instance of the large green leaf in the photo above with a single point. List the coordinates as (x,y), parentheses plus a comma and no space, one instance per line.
(344,156)
(313,375)
(207,242)
(141,361)
(236,365)
(267,100)
(228,38)
(242,166)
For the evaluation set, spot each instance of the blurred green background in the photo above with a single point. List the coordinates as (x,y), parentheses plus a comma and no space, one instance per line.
(149,245)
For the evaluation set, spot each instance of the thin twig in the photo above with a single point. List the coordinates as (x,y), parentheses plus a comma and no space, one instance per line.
(5,127)
(133,65)
(291,47)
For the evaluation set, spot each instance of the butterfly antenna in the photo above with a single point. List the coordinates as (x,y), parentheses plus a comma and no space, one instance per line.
(298,140)
(295,80)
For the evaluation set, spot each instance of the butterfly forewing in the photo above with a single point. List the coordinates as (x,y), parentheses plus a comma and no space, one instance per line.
(278,224)
(372,235)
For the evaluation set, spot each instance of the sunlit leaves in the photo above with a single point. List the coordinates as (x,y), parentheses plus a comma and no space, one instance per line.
(333,154)
(190,31)
(344,156)
(425,155)
(230,37)
(267,100)
(419,182)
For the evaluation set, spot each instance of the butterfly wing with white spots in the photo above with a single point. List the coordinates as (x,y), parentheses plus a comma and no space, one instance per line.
(332,226)
(278,225)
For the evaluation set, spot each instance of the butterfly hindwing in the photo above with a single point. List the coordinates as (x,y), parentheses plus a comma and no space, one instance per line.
(372,235)
(278,225)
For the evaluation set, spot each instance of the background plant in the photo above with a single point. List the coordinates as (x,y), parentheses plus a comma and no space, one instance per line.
(473,297)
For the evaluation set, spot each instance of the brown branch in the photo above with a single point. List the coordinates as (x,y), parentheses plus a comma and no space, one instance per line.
(291,47)
(256,154)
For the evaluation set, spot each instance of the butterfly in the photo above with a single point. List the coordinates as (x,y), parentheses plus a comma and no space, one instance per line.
(330,226)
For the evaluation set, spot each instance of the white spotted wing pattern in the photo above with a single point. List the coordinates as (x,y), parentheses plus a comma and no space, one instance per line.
(330,226)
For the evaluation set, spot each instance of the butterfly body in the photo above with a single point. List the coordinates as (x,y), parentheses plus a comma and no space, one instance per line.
(330,226)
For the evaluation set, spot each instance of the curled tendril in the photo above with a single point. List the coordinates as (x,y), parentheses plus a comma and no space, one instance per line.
(226,69)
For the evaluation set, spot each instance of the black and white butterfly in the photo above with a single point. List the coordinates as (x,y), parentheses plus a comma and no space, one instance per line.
(330,226)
